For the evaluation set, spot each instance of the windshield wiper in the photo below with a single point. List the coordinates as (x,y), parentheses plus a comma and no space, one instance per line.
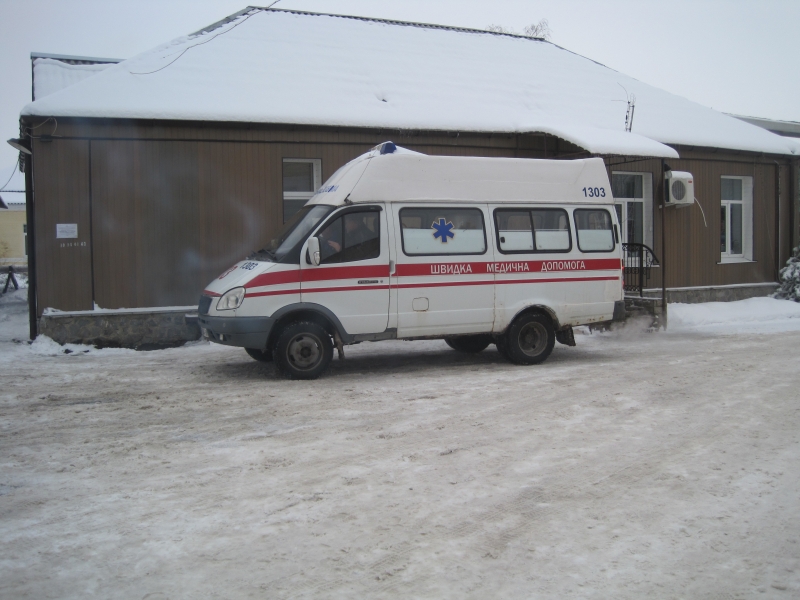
(263,252)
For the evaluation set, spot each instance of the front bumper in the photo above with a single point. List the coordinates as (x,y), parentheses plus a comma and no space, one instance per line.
(244,332)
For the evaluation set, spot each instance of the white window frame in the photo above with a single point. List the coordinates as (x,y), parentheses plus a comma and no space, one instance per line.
(747,221)
(317,166)
(647,208)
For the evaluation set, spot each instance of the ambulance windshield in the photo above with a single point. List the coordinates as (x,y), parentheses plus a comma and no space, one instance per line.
(294,231)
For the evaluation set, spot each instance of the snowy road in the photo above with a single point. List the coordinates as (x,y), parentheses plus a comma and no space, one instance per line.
(657,465)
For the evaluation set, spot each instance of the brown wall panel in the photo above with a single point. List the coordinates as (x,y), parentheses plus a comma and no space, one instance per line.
(170,214)
(61,184)
(168,217)
(692,247)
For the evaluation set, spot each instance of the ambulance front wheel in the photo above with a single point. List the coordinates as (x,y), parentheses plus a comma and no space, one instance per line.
(471,344)
(529,340)
(303,350)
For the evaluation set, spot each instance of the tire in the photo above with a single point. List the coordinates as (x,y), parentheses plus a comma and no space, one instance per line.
(471,344)
(303,350)
(259,355)
(529,340)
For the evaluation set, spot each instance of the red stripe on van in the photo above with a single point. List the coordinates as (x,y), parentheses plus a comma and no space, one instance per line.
(328,273)
(274,278)
(318,274)
(272,293)
(430,269)
(508,267)
(360,288)
(503,282)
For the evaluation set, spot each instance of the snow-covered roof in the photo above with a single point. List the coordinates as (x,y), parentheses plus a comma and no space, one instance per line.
(785,128)
(282,66)
(51,75)
(401,175)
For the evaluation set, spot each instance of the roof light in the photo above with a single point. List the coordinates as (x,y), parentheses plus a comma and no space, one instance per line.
(388,148)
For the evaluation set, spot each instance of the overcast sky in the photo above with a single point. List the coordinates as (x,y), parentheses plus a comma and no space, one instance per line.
(737,56)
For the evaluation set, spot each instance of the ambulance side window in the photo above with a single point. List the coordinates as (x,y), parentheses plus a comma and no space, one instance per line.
(442,231)
(352,237)
(532,230)
(595,233)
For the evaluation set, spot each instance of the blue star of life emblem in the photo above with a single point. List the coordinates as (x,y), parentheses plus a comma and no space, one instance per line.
(443,230)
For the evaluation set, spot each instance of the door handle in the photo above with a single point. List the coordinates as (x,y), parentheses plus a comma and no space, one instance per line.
(366,281)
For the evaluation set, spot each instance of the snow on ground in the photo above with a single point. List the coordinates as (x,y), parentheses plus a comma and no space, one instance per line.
(22,279)
(755,315)
(633,465)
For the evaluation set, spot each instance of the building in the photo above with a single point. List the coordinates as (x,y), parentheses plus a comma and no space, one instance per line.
(13,222)
(154,175)
(784,128)
(50,73)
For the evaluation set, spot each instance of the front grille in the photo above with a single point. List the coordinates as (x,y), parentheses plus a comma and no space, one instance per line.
(205,304)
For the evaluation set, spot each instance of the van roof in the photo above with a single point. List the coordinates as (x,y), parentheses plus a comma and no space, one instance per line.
(404,176)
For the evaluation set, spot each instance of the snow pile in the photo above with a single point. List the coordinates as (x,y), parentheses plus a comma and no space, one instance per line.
(279,66)
(755,315)
(790,278)
(45,346)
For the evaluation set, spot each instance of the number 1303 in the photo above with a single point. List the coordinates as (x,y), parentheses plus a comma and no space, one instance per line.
(594,192)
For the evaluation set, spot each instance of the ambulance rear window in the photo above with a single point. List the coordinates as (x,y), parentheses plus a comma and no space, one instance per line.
(442,231)
(595,232)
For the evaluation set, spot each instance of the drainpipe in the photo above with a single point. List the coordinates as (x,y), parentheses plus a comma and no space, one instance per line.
(29,217)
(777,220)
(794,205)
(663,246)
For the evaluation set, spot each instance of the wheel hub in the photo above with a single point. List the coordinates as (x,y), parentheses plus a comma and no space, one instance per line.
(304,351)
(533,339)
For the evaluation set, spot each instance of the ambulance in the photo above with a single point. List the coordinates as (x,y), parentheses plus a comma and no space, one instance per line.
(402,245)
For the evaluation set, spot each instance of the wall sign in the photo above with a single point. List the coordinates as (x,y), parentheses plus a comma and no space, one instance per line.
(66,230)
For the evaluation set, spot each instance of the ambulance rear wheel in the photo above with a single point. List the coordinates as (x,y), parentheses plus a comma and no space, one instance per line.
(259,355)
(303,351)
(472,344)
(530,339)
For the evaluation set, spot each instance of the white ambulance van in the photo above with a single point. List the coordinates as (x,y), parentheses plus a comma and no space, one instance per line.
(401,245)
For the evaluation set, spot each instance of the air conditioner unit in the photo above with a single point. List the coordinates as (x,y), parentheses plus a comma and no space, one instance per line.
(680,188)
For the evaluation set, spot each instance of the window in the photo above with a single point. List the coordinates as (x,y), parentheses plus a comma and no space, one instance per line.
(736,219)
(442,231)
(301,178)
(594,228)
(533,230)
(353,236)
(633,197)
(294,232)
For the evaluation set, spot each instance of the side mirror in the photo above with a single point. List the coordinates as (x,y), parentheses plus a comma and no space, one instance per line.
(313,250)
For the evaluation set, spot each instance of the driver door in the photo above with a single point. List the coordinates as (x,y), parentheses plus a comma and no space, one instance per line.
(353,278)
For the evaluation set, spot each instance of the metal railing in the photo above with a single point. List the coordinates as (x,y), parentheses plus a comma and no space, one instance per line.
(637,260)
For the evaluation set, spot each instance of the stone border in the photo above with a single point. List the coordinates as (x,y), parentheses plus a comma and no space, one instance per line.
(715,294)
(147,330)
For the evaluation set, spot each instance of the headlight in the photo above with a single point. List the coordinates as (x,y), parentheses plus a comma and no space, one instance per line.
(231,299)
